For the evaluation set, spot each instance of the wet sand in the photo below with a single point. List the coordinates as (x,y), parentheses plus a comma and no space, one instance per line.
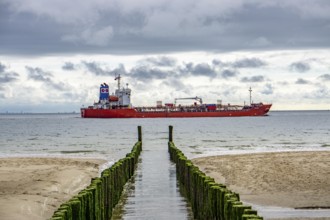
(33,188)
(283,179)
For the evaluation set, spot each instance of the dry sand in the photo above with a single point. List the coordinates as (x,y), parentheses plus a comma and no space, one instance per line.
(33,188)
(284,179)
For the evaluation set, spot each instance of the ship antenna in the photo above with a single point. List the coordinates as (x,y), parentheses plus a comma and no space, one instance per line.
(250,90)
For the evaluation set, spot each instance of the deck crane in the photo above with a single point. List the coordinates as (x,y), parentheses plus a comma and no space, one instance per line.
(195,98)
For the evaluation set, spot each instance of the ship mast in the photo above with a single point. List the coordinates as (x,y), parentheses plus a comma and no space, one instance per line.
(250,90)
(118,83)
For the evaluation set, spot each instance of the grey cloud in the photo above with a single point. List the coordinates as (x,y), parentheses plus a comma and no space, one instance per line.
(253,79)
(162,61)
(147,73)
(300,67)
(7,76)
(175,83)
(249,63)
(95,68)
(94,37)
(200,69)
(217,62)
(227,73)
(60,86)
(118,70)
(68,66)
(39,75)
(157,27)
(2,68)
(301,81)
(268,89)
(321,92)
(325,77)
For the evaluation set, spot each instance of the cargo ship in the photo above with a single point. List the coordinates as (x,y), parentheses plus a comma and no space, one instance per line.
(118,105)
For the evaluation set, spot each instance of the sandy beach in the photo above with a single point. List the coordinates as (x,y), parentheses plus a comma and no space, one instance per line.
(33,188)
(284,179)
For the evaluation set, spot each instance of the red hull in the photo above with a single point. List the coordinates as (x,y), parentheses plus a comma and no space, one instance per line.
(133,113)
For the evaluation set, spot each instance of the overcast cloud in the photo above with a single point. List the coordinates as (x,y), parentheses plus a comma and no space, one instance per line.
(163,49)
(148,26)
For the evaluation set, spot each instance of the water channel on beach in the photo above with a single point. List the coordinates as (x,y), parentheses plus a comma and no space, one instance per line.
(154,192)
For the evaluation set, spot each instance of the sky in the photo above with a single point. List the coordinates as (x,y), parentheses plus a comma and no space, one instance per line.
(55,54)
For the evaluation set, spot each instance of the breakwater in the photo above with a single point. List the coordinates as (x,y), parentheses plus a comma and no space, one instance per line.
(102,195)
(208,199)
(153,192)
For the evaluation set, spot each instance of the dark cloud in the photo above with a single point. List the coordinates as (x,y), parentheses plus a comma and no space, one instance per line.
(51,27)
(161,61)
(147,73)
(300,67)
(200,69)
(301,81)
(39,75)
(227,73)
(96,69)
(249,63)
(253,79)
(68,66)
(325,77)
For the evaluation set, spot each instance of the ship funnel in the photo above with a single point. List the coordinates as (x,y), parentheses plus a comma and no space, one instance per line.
(104,92)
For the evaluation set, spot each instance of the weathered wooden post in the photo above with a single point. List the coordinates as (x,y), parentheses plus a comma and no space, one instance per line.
(139,133)
(170,133)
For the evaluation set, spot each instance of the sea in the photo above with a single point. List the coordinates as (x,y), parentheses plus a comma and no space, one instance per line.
(69,135)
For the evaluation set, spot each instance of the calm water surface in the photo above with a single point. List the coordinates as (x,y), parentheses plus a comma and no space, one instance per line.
(111,139)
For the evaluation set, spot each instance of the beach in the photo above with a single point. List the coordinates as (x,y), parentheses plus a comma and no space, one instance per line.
(33,188)
(281,179)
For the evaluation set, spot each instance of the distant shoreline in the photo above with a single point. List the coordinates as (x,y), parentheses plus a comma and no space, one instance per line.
(36,113)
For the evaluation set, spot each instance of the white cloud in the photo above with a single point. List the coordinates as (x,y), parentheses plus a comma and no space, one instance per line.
(273,82)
